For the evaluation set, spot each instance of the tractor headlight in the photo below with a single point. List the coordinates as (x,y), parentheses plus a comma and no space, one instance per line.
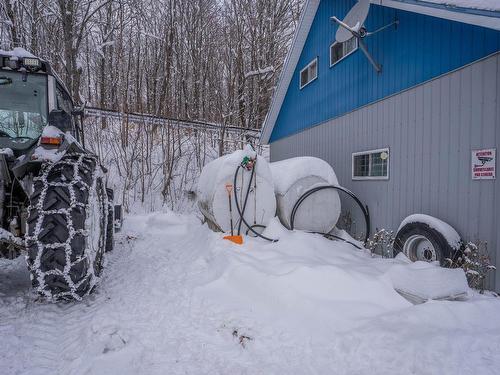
(32,63)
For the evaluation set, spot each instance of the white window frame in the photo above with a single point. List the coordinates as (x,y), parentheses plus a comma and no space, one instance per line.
(343,57)
(315,60)
(369,152)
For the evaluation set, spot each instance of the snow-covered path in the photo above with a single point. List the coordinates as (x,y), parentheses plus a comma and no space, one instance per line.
(175,299)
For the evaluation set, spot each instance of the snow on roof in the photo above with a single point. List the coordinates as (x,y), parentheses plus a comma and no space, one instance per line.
(485,13)
(16,53)
(488,5)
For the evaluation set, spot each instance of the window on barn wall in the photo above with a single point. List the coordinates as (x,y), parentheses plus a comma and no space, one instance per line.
(339,51)
(371,165)
(309,73)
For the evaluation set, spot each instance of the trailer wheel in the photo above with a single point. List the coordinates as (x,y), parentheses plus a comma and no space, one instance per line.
(419,242)
(67,227)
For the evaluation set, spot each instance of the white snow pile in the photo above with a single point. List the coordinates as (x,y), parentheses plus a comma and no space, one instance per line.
(422,281)
(448,232)
(301,284)
(287,172)
(176,298)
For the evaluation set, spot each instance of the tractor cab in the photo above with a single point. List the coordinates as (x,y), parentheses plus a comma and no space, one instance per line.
(31,97)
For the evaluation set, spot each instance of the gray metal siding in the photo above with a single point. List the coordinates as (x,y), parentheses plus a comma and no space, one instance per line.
(430,130)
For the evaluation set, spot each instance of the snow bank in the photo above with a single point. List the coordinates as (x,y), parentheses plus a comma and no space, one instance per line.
(177,299)
(294,177)
(449,233)
(303,281)
(213,198)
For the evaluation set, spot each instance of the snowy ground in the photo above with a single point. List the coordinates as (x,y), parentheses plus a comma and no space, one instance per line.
(176,299)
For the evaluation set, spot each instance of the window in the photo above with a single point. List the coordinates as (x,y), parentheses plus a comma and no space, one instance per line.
(63,100)
(23,106)
(309,73)
(371,165)
(339,51)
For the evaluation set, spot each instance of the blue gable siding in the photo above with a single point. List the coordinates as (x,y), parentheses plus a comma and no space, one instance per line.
(420,48)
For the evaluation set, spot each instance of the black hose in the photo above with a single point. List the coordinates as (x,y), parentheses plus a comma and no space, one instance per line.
(246,196)
(364,209)
(327,235)
(255,226)
(240,212)
(303,197)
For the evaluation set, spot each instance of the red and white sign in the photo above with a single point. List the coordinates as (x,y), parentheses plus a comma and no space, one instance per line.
(484,164)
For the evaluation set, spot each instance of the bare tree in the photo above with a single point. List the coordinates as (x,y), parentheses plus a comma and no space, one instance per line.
(208,60)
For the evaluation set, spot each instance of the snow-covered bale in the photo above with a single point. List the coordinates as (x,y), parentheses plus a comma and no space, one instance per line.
(213,196)
(292,178)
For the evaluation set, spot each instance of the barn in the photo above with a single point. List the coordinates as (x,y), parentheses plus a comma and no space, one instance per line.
(416,131)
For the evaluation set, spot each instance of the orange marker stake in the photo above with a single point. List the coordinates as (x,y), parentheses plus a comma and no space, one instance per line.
(236,239)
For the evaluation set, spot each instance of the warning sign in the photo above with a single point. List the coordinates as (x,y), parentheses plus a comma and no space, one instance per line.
(484,164)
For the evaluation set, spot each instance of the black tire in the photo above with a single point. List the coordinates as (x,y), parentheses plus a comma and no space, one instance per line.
(442,248)
(67,227)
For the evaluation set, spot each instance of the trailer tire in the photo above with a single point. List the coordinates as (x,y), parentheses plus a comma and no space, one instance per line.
(67,227)
(420,242)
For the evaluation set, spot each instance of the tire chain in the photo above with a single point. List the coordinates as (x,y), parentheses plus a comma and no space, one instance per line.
(80,163)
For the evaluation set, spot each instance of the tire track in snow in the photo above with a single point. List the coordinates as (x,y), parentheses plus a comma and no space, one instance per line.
(141,307)
(137,284)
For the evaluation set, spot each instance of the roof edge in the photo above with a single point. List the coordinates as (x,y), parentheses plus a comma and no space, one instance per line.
(472,16)
(299,39)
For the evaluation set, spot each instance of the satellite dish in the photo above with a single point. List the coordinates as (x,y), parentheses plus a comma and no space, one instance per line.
(354,19)
(352,26)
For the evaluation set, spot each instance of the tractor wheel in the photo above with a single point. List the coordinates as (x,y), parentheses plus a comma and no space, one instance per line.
(67,225)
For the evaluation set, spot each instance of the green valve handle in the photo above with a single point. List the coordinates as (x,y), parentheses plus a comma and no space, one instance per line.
(248,163)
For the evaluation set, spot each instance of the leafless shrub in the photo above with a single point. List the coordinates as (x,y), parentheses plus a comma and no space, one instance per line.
(381,243)
(475,260)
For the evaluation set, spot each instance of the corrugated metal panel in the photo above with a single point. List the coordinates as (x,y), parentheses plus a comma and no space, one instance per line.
(431,130)
(421,48)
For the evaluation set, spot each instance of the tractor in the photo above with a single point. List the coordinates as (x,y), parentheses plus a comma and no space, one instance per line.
(55,206)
